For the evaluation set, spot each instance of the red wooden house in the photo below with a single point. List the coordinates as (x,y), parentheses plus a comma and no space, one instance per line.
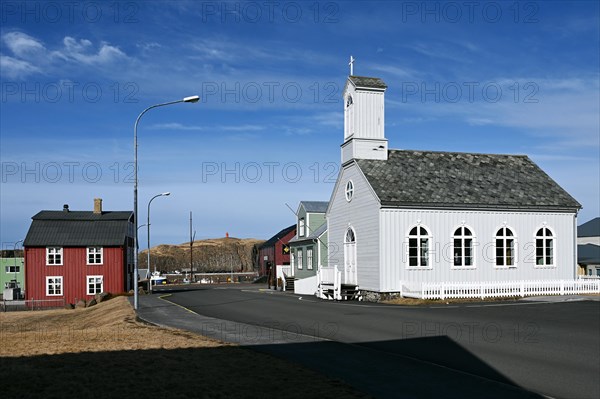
(275,251)
(74,255)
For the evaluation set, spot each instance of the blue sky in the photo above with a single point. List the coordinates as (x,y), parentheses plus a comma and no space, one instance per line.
(492,77)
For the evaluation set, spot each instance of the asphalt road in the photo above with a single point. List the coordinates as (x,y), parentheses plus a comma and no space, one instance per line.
(509,349)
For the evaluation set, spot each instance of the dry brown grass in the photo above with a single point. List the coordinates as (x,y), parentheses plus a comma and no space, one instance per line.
(110,326)
(417,302)
(103,351)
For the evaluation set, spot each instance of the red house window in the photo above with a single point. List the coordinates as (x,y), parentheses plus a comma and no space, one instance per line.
(94,284)
(94,256)
(54,285)
(54,256)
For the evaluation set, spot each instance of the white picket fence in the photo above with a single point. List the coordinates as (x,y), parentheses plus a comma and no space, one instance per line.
(496,289)
(329,277)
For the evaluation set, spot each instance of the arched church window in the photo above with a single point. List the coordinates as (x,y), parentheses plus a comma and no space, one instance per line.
(463,247)
(544,247)
(418,247)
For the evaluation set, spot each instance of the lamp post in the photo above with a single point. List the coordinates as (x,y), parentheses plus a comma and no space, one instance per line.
(191,99)
(15,257)
(148,227)
(138,247)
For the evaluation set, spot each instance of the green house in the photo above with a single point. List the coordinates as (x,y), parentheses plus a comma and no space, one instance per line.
(12,269)
(309,247)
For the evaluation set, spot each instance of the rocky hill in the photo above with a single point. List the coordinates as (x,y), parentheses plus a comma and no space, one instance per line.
(210,255)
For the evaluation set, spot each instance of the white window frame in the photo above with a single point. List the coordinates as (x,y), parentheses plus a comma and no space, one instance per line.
(299,256)
(309,259)
(12,269)
(349,190)
(92,251)
(301,227)
(293,258)
(505,239)
(544,238)
(89,280)
(419,237)
(56,284)
(462,237)
(53,252)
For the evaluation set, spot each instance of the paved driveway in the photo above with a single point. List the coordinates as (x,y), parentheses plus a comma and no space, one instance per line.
(516,349)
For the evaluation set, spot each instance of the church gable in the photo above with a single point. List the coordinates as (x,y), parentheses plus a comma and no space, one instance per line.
(464,180)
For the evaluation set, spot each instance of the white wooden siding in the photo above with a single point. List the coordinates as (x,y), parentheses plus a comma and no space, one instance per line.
(362,213)
(365,149)
(394,225)
(368,115)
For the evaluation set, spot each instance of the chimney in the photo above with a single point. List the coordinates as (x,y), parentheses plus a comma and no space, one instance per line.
(66,208)
(98,206)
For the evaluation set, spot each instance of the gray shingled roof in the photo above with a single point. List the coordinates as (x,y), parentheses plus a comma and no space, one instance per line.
(315,206)
(364,81)
(588,254)
(464,180)
(589,229)
(78,228)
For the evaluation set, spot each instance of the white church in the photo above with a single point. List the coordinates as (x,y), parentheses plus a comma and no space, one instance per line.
(432,224)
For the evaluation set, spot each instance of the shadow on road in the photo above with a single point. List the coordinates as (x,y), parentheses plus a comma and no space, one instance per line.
(397,369)
(221,372)
(233,372)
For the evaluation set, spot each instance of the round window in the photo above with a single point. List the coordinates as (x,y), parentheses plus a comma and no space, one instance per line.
(349,190)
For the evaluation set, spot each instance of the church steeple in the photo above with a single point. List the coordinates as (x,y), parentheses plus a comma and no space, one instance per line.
(364,124)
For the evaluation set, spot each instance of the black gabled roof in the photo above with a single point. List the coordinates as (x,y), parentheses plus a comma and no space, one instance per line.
(78,228)
(589,229)
(464,180)
(365,81)
(82,215)
(271,241)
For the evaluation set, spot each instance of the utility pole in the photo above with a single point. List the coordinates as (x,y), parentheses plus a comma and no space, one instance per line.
(192,237)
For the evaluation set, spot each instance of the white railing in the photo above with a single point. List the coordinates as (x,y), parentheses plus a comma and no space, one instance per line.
(281,272)
(329,278)
(505,289)
(587,277)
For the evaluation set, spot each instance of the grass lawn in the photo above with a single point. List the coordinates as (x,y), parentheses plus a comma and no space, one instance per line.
(104,352)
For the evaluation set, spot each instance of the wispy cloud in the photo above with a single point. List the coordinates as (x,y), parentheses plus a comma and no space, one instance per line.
(23,45)
(394,71)
(83,51)
(30,55)
(16,69)
(559,109)
(224,128)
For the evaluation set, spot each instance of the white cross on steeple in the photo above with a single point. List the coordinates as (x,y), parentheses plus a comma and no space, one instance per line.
(351,63)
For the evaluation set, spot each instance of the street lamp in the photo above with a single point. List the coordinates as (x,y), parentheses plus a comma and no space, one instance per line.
(191,99)
(15,257)
(148,227)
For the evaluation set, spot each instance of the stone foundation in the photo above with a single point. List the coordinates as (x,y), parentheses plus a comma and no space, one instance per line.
(373,296)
